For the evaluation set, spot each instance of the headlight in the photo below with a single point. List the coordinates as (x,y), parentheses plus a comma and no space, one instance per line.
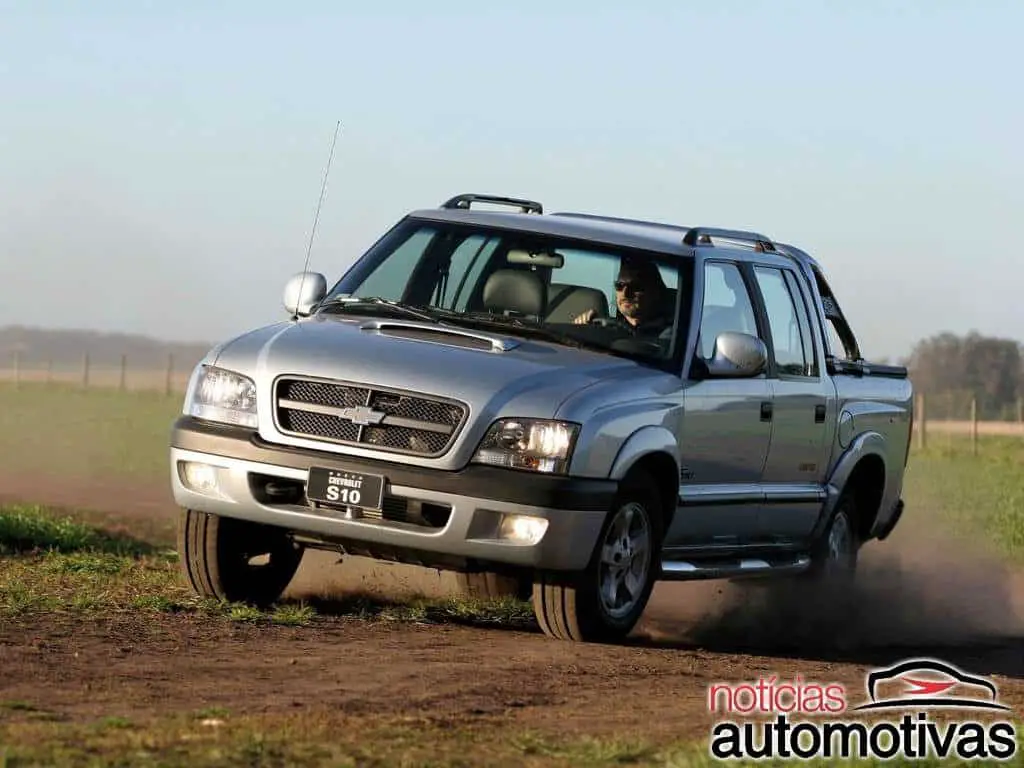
(536,444)
(220,395)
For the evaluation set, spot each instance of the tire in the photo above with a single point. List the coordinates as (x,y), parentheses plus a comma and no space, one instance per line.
(834,556)
(216,552)
(571,607)
(487,585)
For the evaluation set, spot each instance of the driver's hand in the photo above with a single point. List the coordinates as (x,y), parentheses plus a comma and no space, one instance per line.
(584,317)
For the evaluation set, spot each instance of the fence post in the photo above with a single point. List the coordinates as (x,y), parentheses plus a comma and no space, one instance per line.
(974,425)
(1020,410)
(49,371)
(85,371)
(921,418)
(124,372)
(17,368)
(168,383)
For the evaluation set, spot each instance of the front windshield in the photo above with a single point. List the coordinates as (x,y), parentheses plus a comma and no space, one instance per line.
(618,300)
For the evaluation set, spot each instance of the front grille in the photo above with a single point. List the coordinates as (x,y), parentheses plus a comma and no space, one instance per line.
(351,414)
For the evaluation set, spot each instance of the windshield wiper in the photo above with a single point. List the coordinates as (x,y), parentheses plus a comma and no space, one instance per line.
(535,329)
(365,302)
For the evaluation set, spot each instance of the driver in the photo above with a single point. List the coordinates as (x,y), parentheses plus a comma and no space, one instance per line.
(639,299)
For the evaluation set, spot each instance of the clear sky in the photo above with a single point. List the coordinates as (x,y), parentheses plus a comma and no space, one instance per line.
(161,162)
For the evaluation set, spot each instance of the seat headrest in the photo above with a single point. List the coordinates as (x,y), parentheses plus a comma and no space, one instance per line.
(566,301)
(515,290)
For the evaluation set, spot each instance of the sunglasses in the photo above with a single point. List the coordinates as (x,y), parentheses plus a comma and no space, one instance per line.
(635,287)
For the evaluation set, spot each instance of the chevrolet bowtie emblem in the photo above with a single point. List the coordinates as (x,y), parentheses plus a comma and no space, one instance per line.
(362,415)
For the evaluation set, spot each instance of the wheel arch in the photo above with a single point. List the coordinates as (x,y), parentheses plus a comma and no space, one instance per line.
(862,471)
(653,450)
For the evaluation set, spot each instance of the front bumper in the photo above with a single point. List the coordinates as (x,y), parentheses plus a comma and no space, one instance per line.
(430,516)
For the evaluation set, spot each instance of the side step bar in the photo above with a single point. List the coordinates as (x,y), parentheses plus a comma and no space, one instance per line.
(732,568)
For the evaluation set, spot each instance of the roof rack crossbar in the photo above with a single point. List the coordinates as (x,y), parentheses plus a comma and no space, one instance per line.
(618,219)
(693,236)
(464,202)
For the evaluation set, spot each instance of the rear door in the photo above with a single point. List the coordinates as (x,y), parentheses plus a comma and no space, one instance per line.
(803,406)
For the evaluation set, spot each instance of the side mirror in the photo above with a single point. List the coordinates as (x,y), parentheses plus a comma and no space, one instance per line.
(737,356)
(302,291)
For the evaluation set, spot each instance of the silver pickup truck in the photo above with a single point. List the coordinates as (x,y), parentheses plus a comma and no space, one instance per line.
(564,407)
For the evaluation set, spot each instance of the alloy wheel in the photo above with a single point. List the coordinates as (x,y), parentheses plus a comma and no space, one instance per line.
(625,559)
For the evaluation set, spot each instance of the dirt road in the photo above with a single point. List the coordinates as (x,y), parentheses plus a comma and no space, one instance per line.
(918,596)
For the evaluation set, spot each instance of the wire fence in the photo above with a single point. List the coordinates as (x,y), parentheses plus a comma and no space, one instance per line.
(171,376)
(963,414)
(961,405)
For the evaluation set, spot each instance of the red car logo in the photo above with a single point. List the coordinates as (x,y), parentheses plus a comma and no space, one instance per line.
(924,687)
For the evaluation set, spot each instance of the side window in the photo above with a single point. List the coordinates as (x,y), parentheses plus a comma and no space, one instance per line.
(391,276)
(793,356)
(727,305)
(804,317)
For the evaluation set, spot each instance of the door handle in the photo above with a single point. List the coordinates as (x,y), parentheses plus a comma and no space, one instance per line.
(819,414)
(766,411)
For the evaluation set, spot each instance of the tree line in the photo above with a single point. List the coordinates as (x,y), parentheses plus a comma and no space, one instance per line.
(950,370)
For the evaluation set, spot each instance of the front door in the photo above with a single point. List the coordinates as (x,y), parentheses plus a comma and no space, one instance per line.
(725,430)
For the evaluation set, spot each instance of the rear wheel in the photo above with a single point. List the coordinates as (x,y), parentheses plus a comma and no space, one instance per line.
(604,602)
(834,557)
(219,554)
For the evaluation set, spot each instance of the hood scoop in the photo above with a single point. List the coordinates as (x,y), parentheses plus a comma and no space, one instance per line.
(447,335)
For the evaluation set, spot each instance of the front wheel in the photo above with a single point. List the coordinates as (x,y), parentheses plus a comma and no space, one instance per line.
(604,602)
(218,554)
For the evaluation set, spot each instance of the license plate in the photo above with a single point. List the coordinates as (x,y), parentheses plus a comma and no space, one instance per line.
(343,488)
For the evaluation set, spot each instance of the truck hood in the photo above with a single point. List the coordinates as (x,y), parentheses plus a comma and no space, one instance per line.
(493,373)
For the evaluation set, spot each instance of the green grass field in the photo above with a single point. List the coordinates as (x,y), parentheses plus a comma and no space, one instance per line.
(978,497)
(54,562)
(67,430)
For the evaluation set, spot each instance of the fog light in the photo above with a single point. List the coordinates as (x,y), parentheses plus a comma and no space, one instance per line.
(199,477)
(522,529)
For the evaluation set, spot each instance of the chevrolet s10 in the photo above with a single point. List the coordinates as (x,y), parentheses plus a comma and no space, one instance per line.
(563,407)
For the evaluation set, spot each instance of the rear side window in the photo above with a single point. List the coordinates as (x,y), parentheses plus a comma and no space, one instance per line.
(788,321)
(804,317)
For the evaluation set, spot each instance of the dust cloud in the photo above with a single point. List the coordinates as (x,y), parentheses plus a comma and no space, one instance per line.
(326,575)
(917,589)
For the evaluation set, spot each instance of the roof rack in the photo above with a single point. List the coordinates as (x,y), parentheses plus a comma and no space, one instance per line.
(694,234)
(618,219)
(464,201)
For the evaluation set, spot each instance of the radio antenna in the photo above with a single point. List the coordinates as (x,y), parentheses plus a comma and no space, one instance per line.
(316,218)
